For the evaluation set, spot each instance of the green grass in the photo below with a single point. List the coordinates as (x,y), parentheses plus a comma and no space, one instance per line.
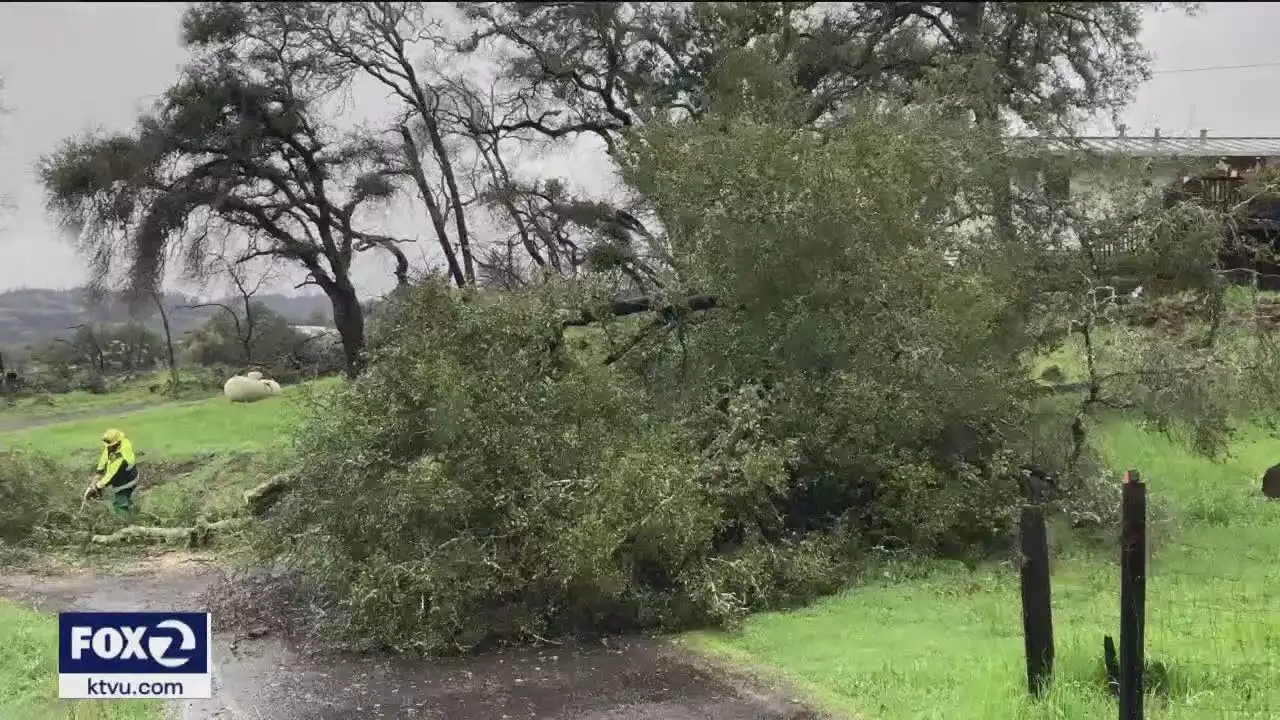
(140,391)
(196,458)
(170,431)
(29,675)
(211,490)
(1066,363)
(943,642)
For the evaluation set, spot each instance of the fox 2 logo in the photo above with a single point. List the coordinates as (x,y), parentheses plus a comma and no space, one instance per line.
(133,642)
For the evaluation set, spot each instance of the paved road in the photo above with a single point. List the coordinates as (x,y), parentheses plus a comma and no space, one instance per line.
(10,423)
(635,680)
(25,423)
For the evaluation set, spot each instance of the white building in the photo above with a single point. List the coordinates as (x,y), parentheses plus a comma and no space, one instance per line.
(1217,163)
(314,330)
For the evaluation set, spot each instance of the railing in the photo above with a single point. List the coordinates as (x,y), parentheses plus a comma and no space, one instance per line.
(1252,212)
(1221,190)
(1107,249)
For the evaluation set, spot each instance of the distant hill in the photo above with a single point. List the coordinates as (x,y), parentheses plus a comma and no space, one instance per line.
(32,315)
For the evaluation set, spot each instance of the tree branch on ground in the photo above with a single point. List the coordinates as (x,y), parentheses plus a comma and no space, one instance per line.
(195,536)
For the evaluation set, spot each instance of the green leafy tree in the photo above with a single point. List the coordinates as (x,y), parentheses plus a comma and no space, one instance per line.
(604,69)
(539,463)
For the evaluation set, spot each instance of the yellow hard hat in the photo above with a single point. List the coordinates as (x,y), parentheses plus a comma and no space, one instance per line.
(112,437)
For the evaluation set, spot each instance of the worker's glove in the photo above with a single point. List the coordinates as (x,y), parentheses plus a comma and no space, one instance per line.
(93,492)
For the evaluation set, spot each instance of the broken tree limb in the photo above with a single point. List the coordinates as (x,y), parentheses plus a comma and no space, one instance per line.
(262,498)
(669,312)
(629,345)
(258,499)
(194,536)
(634,306)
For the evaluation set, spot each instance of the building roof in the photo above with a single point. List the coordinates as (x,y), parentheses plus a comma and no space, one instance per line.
(313,330)
(1154,146)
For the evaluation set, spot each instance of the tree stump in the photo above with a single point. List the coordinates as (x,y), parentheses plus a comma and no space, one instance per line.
(1271,482)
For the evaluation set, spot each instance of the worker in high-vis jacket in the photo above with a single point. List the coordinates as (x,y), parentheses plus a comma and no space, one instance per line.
(117,470)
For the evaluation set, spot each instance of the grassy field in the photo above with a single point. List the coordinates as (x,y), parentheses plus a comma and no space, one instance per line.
(171,431)
(29,675)
(943,642)
(196,457)
(138,392)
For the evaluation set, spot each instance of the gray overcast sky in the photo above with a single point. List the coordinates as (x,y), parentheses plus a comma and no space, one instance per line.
(72,66)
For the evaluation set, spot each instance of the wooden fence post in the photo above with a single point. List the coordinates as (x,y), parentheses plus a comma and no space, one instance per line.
(1037,613)
(1133,591)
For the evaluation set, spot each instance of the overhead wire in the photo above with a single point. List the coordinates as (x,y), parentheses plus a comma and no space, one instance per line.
(1215,68)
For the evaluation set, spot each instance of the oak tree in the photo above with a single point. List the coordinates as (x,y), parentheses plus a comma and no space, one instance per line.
(235,160)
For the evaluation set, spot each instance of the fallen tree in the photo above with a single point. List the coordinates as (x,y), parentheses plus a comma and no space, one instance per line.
(258,500)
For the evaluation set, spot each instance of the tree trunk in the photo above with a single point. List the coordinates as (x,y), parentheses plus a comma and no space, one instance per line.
(348,318)
(168,343)
(246,340)
(414,157)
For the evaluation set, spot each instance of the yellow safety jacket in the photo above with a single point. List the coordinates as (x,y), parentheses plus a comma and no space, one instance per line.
(117,468)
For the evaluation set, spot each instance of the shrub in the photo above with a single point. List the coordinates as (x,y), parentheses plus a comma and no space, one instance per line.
(35,492)
(41,502)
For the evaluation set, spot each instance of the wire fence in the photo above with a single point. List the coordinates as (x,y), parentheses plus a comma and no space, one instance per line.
(1212,622)
(1197,621)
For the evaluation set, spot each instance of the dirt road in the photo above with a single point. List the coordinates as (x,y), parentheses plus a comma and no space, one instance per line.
(263,678)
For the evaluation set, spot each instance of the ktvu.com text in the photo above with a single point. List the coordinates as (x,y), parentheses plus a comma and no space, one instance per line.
(106,655)
(124,686)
